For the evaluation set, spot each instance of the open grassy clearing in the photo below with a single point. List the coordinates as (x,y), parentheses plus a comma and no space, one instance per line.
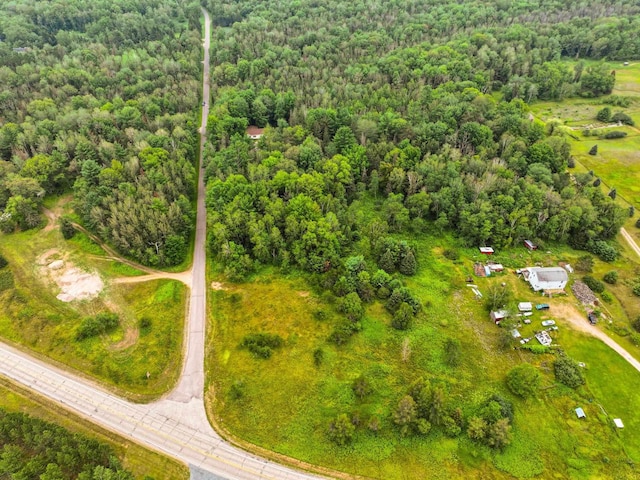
(32,316)
(285,403)
(140,461)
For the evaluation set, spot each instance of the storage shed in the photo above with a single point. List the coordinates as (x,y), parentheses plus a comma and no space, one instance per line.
(499,315)
(525,306)
(486,250)
(580,413)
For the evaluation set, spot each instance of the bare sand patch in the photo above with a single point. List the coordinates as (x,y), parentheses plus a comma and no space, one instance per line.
(303,293)
(74,283)
(217,286)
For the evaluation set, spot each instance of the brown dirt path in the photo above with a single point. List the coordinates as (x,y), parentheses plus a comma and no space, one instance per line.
(632,243)
(579,322)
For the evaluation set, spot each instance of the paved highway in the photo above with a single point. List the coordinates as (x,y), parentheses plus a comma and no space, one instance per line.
(176,425)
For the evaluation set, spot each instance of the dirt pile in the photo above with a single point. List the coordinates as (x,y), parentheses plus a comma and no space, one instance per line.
(74,283)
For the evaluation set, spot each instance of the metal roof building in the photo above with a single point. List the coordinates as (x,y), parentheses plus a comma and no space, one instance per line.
(546,278)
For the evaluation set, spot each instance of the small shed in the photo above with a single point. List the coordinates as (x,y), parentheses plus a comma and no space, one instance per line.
(515,333)
(254,133)
(498,316)
(486,250)
(495,267)
(580,413)
(525,306)
(530,245)
(618,423)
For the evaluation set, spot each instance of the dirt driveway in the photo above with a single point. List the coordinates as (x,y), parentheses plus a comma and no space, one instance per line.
(580,322)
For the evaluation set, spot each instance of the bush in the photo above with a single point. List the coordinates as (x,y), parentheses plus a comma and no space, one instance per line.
(571,163)
(604,115)
(343,332)
(452,352)
(361,387)
(3,262)
(408,265)
(622,118)
(318,357)
(636,324)
(605,251)
(98,325)
(341,430)
(611,277)
(594,284)
(593,150)
(66,228)
(261,345)
(585,264)
(6,280)
(638,223)
(237,390)
(524,380)
(144,324)
(451,254)
(537,349)
(606,297)
(351,306)
(636,289)
(568,372)
(402,317)
(614,134)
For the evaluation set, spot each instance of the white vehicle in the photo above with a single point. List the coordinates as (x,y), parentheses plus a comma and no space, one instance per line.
(548,323)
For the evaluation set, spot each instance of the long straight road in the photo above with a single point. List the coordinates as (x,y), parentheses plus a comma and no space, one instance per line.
(177,425)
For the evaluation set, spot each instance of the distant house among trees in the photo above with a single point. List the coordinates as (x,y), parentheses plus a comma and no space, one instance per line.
(486,250)
(546,278)
(254,133)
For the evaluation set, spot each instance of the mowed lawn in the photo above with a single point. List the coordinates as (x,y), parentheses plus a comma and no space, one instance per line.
(32,316)
(285,403)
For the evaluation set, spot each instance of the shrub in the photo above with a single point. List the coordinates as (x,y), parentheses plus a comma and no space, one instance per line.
(451,254)
(524,380)
(571,163)
(611,277)
(144,324)
(605,251)
(341,430)
(237,390)
(452,352)
(606,297)
(361,387)
(622,118)
(568,372)
(3,262)
(636,289)
(320,315)
(638,223)
(402,317)
(593,150)
(261,345)
(98,325)
(318,357)
(408,265)
(636,324)
(6,280)
(400,295)
(594,284)
(66,228)
(604,115)
(537,349)
(351,306)
(585,264)
(343,332)
(614,134)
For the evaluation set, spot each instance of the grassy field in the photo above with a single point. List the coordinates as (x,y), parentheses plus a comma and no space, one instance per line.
(618,160)
(31,316)
(285,403)
(138,460)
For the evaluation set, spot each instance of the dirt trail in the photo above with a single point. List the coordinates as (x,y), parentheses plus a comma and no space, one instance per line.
(579,322)
(632,243)
(184,277)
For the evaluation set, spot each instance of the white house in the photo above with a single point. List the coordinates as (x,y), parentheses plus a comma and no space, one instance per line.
(254,133)
(546,278)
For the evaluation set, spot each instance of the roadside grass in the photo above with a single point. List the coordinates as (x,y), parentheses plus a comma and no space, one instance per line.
(138,460)
(31,316)
(285,403)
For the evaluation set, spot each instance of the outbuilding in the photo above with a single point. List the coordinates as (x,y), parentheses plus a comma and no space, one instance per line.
(618,423)
(486,250)
(580,413)
(530,245)
(498,316)
(525,306)
(546,278)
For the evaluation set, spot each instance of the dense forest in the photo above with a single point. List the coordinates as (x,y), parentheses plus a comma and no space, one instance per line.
(32,448)
(101,98)
(418,107)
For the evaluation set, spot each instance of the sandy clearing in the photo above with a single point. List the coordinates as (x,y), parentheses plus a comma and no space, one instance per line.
(217,286)
(579,322)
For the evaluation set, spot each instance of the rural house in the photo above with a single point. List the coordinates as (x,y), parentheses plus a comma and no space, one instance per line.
(254,133)
(546,278)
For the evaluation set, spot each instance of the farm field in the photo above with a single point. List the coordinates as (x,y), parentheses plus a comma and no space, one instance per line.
(151,314)
(286,402)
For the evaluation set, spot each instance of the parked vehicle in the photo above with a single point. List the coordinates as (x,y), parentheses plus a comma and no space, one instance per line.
(548,323)
(593,318)
(542,306)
